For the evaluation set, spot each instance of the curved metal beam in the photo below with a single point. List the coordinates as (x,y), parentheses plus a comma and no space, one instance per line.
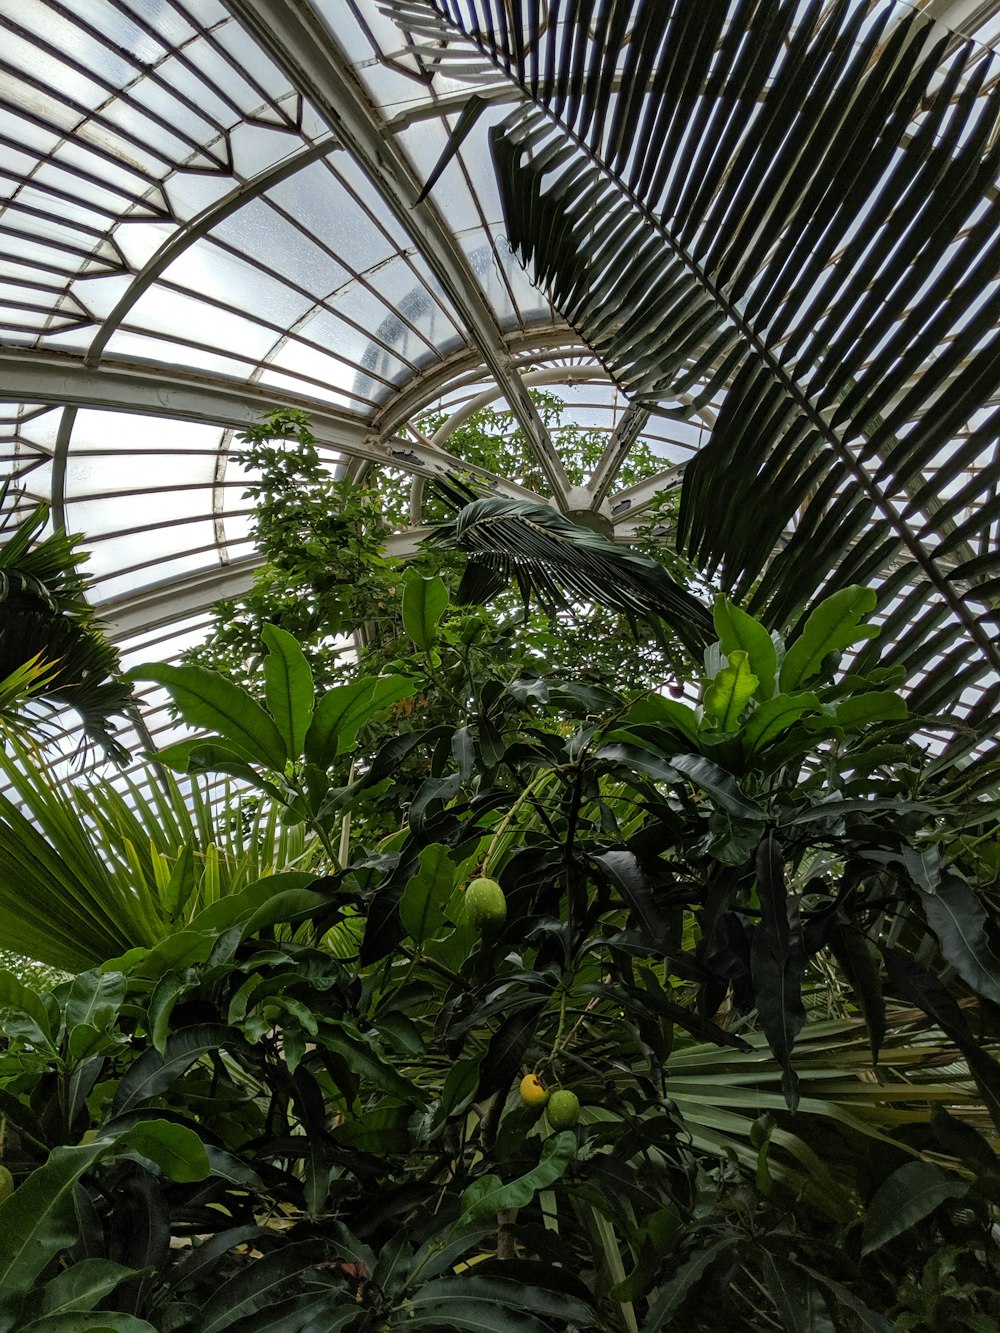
(548,341)
(200,225)
(298,41)
(62,379)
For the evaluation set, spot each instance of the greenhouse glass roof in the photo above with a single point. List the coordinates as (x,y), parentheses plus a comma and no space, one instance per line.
(211,209)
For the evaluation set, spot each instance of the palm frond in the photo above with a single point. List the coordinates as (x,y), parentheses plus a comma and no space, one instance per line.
(788,209)
(47,619)
(556,561)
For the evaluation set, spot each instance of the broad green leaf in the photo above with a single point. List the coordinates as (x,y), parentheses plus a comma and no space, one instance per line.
(345,709)
(288,687)
(105,1321)
(94,998)
(907,1197)
(368,1063)
(39,1219)
(857,956)
(833,626)
(16,996)
(773,718)
(868,1320)
(460,1084)
(874,706)
(719,784)
(258,1285)
(444,1249)
(82,1286)
(206,699)
(799,1302)
(489,1195)
(424,601)
(422,904)
(639,759)
(659,711)
(669,1298)
(462,1301)
(154,1073)
(238,908)
(739,632)
(729,693)
(176,1150)
(958,919)
(777,962)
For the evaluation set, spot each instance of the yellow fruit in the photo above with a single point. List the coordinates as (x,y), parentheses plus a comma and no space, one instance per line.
(485,905)
(533,1091)
(563,1109)
(6,1184)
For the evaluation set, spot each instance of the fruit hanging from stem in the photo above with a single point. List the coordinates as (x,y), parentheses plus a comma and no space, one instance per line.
(533,1091)
(485,905)
(563,1109)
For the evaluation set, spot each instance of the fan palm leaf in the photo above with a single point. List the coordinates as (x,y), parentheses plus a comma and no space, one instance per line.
(553,559)
(787,210)
(89,870)
(46,619)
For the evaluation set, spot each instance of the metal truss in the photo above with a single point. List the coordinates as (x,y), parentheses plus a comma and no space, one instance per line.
(298,41)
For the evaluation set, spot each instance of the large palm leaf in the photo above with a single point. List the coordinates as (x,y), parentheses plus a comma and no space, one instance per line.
(45,618)
(786,209)
(89,870)
(555,560)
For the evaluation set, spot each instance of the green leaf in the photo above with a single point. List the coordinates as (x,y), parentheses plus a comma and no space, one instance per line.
(424,602)
(83,1285)
(658,711)
(16,996)
(493,1304)
(777,963)
(833,626)
(39,1218)
(909,1195)
(257,1286)
(958,919)
(154,1073)
(773,718)
(365,1060)
(874,706)
(739,632)
(489,1195)
(206,699)
(669,1298)
(423,902)
(288,687)
(719,784)
(729,692)
(105,1321)
(94,998)
(176,1150)
(798,1300)
(345,709)
(857,956)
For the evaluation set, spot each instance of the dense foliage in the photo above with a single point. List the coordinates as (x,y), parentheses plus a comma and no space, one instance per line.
(326,571)
(52,651)
(300,1110)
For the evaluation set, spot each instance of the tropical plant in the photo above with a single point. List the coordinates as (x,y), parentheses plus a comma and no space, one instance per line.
(52,650)
(786,211)
(91,868)
(306,1090)
(326,570)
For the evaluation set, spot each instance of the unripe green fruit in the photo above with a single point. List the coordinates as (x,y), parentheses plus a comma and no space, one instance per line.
(563,1109)
(6,1184)
(485,905)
